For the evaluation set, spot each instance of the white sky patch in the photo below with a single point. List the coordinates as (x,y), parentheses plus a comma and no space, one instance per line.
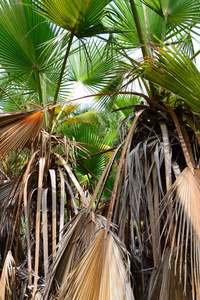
(196,43)
(82,91)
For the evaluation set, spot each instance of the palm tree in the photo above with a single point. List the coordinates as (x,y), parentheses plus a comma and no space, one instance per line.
(154,199)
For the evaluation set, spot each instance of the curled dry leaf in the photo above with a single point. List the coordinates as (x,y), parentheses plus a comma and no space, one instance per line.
(184,223)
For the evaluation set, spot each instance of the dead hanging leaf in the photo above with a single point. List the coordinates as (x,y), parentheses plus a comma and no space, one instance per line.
(7,278)
(18,130)
(76,239)
(164,284)
(184,221)
(101,273)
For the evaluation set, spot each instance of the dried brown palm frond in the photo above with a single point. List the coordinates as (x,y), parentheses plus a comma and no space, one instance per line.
(42,185)
(141,192)
(9,193)
(7,280)
(184,223)
(149,172)
(164,284)
(4,193)
(101,273)
(19,129)
(76,239)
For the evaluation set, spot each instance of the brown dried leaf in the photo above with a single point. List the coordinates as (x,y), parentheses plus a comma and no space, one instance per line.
(101,273)
(7,278)
(18,130)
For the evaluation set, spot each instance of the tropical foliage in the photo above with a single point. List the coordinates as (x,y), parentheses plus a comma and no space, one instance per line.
(99,203)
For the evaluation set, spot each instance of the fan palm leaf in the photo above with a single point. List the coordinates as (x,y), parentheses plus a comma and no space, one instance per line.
(7,280)
(22,32)
(178,14)
(81,17)
(19,129)
(85,133)
(175,72)
(29,65)
(123,21)
(91,65)
(76,239)
(101,273)
(184,195)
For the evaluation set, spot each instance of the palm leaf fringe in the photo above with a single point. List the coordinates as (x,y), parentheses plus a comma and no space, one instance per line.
(184,221)
(75,241)
(101,273)
(7,278)
(18,130)
(164,284)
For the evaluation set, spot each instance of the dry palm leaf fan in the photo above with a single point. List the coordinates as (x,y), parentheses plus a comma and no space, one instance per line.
(182,204)
(82,254)
(19,129)
(75,240)
(7,280)
(101,273)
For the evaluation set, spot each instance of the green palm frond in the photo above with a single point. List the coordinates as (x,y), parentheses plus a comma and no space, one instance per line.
(22,32)
(106,102)
(92,65)
(122,20)
(81,17)
(185,44)
(175,72)
(125,104)
(181,14)
(93,141)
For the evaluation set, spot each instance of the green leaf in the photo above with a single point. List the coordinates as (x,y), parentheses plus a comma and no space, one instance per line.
(87,117)
(175,72)
(81,16)
(92,139)
(182,13)
(22,32)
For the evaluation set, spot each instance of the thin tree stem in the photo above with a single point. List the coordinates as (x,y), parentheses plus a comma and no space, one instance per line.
(164,26)
(142,39)
(139,29)
(195,54)
(61,75)
(63,66)
(38,83)
(149,100)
